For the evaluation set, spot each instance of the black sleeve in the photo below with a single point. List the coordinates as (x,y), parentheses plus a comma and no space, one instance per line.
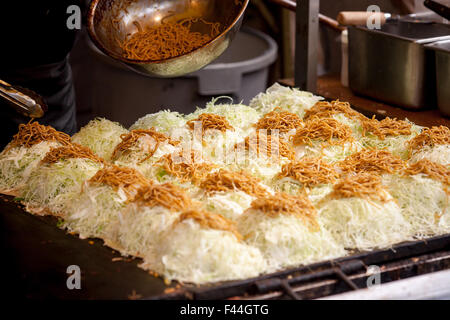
(35,32)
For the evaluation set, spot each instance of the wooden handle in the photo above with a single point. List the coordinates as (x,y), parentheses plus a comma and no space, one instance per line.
(292,5)
(331,23)
(358,18)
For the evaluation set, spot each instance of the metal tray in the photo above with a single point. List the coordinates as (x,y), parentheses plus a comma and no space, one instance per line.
(392,64)
(442,50)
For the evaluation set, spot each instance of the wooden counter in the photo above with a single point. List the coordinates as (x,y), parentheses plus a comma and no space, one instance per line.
(329,86)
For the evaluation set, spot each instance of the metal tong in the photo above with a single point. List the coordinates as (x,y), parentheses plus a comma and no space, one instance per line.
(24,101)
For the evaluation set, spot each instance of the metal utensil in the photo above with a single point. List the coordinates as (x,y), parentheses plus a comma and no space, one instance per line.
(111,21)
(440,9)
(442,50)
(24,101)
(392,65)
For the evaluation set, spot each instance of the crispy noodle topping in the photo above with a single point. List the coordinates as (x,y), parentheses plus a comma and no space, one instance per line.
(167,40)
(209,220)
(284,204)
(325,109)
(373,161)
(310,171)
(185,169)
(386,127)
(432,169)
(431,137)
(166,195)
(325,129)
(33,133)
(224,180)
(362,185)
(280,120)
(127,179)
(273,146)
(210,121)
(70,151)
(131,139)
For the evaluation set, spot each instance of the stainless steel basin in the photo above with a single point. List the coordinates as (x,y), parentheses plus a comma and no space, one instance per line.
(442,50)
(392,64)
(111,21)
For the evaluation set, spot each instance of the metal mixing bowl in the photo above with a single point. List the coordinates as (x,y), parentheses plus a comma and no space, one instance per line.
(111,21)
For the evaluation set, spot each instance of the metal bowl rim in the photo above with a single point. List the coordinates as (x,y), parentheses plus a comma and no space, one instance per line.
(93,35)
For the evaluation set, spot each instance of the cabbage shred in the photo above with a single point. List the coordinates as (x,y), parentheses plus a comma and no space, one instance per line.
(413,206)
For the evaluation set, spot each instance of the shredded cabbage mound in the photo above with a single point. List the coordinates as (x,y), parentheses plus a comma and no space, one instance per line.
(151,211)
(144,152)
(352,123)
(163,121)
(290,99)
(166,195)
(325,109)
(17,164)
(238,115)
(386,127)
(101,136)
(361,185)
(431,169)
(190,252)
(229,204)
(398,145)
(55,186)
(331,154)
(310,172)
(431,137)
(218,146)
(126,180)
(186,167)
(286,181)
(279,121)
(259,167)
(327,130)
(95,213)
(260,144)
(209,121)
(225,181)
(364,224)
(286,240)
(373,161)
(70,151)
(294,187)
(423,201)
(33,133)
(439,154)
(141,228)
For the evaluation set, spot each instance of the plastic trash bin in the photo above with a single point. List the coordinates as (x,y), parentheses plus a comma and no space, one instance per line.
(123,95)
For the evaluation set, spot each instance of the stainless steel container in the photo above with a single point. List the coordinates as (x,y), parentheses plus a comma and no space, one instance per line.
(442,49)
(391,64)
(111,21)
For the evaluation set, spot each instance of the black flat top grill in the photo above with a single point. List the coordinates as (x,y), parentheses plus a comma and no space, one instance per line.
(37,255)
